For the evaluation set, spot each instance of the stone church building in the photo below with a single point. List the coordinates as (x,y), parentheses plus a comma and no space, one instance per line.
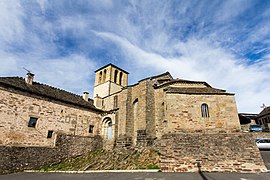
(124,115)
(158,105)
(189,121)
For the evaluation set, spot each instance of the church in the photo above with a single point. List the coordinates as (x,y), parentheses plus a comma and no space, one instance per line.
(193,125)
(142,112)
(123,115)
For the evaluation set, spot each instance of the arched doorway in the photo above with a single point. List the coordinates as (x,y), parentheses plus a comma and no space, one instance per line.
(107,129)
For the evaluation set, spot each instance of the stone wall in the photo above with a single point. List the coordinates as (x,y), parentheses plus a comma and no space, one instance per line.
(102,90)
(212,152)
(260,134)
(14,159)
(16,108)
(183,113)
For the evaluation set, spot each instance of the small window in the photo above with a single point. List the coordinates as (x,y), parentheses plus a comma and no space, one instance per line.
(104,75)
(50,133)
(205,111)
(91,129)
(120,78)
(100,77)
(32,122)
(115,76)
(115,101)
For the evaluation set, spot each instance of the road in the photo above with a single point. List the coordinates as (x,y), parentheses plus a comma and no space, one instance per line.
(136,176)
(266,158)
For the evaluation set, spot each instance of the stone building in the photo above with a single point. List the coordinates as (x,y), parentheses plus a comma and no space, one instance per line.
(263,118)
(124,115)
(190,122)
(31,113)
(158,105)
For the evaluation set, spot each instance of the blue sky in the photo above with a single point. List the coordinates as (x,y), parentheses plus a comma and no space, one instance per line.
(225,43)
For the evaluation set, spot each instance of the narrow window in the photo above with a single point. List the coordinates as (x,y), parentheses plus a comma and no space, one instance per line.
(100,77)
(104,75)
(91,129)
(205,111)
(120,78)
(115,101)
(162,112)
(32,122)
(50,133)
(135,109)
(115,76)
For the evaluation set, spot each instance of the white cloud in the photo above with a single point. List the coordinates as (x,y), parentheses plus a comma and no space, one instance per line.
(73,73)
(12,28)
(200,61)
(63,42)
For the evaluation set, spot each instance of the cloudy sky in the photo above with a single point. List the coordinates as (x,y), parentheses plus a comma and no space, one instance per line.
(223,42)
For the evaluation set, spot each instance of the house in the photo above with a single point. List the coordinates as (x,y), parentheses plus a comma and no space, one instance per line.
(31,113)
(264,118)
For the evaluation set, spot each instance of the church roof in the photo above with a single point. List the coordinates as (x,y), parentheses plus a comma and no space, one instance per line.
(110,64)
(174,81)
(18,83)
(195,90)
(265,111)
(158,76)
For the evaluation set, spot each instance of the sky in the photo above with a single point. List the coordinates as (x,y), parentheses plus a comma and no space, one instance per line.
(225,43)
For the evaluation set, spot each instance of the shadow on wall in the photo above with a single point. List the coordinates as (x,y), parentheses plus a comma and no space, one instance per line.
(15,159)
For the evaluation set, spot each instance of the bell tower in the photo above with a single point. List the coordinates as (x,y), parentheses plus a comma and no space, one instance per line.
(110,79)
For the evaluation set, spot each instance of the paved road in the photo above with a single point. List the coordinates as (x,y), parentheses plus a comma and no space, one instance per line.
(266,158)
(136,176)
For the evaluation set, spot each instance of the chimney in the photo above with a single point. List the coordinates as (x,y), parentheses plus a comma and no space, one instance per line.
(85,96)
(29,78)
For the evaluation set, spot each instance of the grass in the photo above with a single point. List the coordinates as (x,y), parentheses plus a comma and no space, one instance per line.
(109,160)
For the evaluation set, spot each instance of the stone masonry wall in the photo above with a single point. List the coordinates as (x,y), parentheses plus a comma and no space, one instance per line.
(260,134)
(17,108)
(214,152)
(150,112)
(183,113)
(161,123)
(135,110)
(14,159)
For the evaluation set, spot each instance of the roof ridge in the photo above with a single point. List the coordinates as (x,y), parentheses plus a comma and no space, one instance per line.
(110,64)
(156,76)
(47,91)
(56,88)
(183,81)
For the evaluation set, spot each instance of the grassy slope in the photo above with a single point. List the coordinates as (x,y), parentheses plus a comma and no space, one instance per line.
(108,160)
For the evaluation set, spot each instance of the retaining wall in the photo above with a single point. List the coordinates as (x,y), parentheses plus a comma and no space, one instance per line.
(210,152)
(14,159)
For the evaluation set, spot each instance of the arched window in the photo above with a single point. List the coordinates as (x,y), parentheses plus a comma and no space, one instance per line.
(100,77)
(205,111)
(115,76)
(135,109)
(104,75)
(120,78)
